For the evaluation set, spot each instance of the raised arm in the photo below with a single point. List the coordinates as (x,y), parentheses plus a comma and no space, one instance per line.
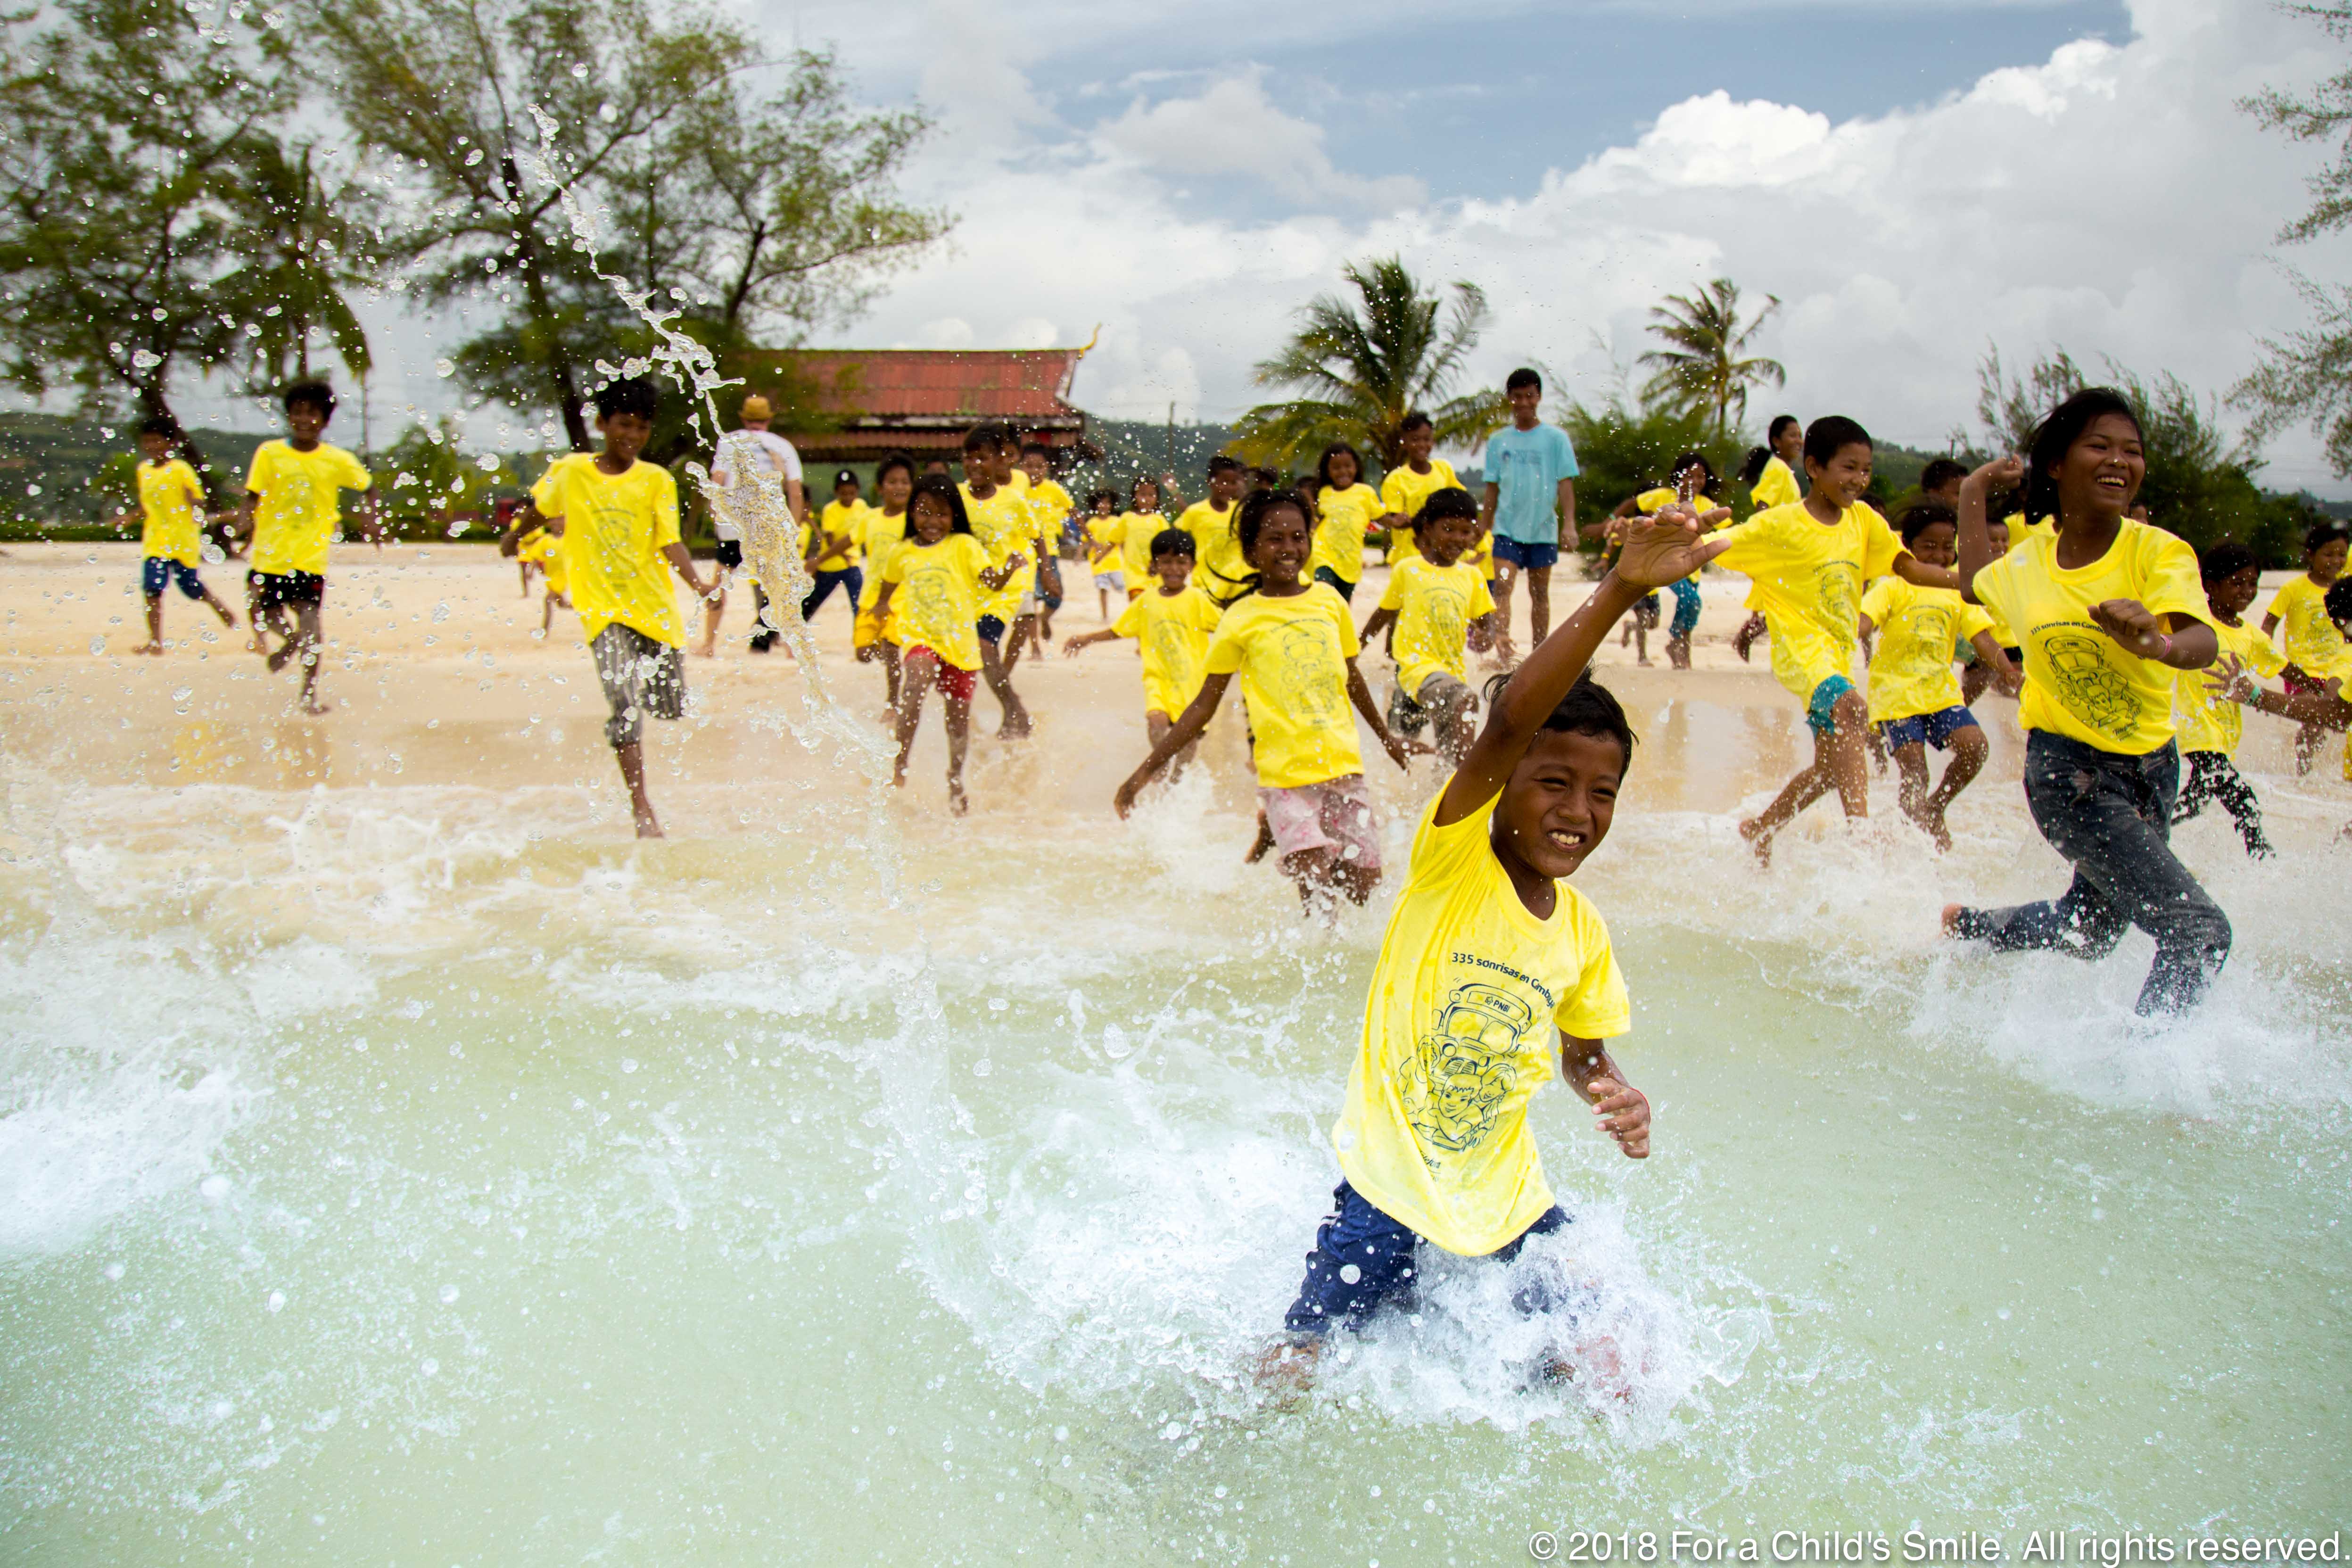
(1657,551)
(1975,537)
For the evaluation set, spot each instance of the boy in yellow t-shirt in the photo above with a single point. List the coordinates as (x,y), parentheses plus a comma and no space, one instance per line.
(291,510)
(617,518)
(1807,563)
(1437,602)
(1000,518)
(1294,645)
(1105,564)
(1052,506)
(171,506)
(2315,648)
(1488,954)
(2209,725)
(1406,489)
(1171,624)
(1221,573)
(1915,698)
(875,636)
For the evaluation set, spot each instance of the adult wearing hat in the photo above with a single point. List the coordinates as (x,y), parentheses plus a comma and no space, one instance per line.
(743,454)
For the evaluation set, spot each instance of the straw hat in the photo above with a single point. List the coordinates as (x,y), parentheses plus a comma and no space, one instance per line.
(757,407)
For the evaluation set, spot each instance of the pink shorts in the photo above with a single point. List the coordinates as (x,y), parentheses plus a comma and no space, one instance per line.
(1336,815)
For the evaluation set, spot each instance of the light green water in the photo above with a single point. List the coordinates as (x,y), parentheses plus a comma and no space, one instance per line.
(414,1173)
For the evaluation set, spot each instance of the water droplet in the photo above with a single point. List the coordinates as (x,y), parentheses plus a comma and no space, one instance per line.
(473,157)
(629,1064)
(97,645)
(579,72)
(487,462)
(444,366)
(1349,1273)
(277,1300)
(431,1366)
(607,113)
(448,1294)
(114,1271)
(983,1067)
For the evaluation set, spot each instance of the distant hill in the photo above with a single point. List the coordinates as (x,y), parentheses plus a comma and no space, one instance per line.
(49,462)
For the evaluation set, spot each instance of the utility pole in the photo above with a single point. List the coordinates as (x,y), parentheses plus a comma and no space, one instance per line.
(1171,439)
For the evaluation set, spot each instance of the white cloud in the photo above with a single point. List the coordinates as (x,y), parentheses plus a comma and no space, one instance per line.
(1233,129)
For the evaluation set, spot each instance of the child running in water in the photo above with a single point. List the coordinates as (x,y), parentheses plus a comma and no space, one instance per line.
(1345,508)
(1171,624)
(1295,646)
(1914,698)
(1487,953)
(829,548)
(1406,489)
(618,518)
(874,638)
(998,517)
(1053,507)
(1105,565)
(933,587)
(2110,610)
(1134,531)
(1436,601)
(1223,571)
(292,511)
(2313,646)
(1691,482)
(1770,475)
(2210,725)
(170,505)
(529,541)
(1808,563)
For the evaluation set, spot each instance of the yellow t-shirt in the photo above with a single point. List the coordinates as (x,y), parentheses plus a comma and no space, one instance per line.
(1293,656)
(1776,486)
(1219,568)
(2019,531)
(2079,681)
(1103,541)
(298,511)
(1004,528)
(1807,578)
(1344,515)
(848,522)
(547,550)
(1133,531)
(1434,606)
(878,535)
(1918,628)
(1049,505)
(2311,643)
(937,598)
(1458,1034)
(1405,492)
(2207,723)
(1172,633)
(170,496)
(615,527)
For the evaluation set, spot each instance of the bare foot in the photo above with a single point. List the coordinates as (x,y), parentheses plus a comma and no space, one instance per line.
(956,801)
(648,826)
(1757,839)
(151,647)
(1286,1371)
(315,706)
(1642,663)
(1933,821)
(709,649)
(1745,642)
(1260,845)
(1951,919)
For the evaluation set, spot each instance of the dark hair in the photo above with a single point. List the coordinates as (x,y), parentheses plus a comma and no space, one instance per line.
(1752,467)
(1694,459)
(1265,477)
(1521,377)
(2338,601)
(1779,422)
(1939,472)
(628,394)
(1323,463)
(1415,420)
(982,438)
(1095,498)
(895,460)
(2221,559)
(1451,502)
(846,477)
(317,393)
(1588,708)
(1173,542)
(1038,447)
(1922,515)
(1221,464)
(2056,435)
(1249,521)
(1833,433)
(156,425)
(1137,483)
(2325,532)
(944,487)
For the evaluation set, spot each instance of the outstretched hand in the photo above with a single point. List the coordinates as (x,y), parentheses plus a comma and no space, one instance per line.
(2228,680)
(1623,1113)
(1399,749)
(1667,546)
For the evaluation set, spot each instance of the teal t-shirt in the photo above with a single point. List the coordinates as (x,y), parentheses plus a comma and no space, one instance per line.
(1526,467)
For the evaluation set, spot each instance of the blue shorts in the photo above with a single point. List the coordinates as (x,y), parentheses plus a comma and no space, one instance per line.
(1360,1239)
(156,572)
(1935,729)
(1821,708)
(1339,584)
(991,629)
(1685,619)
(1524,556)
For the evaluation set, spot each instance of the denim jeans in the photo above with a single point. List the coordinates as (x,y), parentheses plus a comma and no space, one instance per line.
(2111,814)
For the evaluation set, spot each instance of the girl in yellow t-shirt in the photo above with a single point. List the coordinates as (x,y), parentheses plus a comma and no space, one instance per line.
(883,531)
(1171,624)
(1105,563)
(2108,610)
(939,573)
(1294,645)
(1348,508)
(2315,649)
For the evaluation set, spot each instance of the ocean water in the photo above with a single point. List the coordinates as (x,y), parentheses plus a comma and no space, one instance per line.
(399,1165)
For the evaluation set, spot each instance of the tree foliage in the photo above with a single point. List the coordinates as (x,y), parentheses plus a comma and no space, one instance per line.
(427,479)
(1362,364)
(1705,366)
(1624,447)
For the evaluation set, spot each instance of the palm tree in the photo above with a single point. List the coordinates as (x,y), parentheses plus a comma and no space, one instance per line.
(1365,363)
(1701,368)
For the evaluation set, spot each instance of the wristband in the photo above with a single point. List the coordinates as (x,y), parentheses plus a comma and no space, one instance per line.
(2164,654)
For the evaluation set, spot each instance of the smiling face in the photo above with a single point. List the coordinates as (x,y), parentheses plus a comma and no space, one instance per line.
(1034,465)
(1226,487)
(1997,532)
(1418,444)
(1173,571)
(2328,560)
(306,420)
(156,450)
(1145,497)
(1556,807)
(1283,540)
(845,492)
(1008,458)
(2232,596)
(1525,402)
(1344,471)
(930,520)
(2101,471)
(625,435)
(980,469)
(895,485)
(1445,539)
(1789,444)
(1938,544)
(1841,480)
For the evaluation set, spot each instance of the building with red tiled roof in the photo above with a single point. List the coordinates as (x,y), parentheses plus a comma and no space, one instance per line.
(922,400)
